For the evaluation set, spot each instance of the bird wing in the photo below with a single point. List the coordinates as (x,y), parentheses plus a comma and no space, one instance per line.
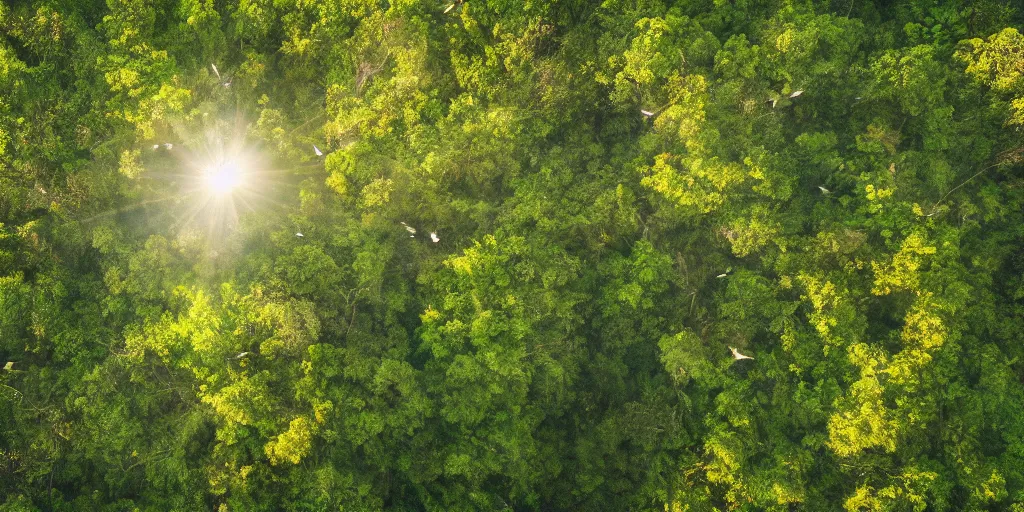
(214,66)
(317,151)
(737,355)
(795,94)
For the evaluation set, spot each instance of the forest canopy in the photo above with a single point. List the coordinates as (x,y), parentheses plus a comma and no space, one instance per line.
(456,255)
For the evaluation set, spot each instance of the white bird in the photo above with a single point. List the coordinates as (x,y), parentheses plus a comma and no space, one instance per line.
(737,356)
(317,151)
(795,94)
(243,354)
(773,101)
(647,113)
(227,84)
(450,7)
(168,145)
(156,147)
(434,238)
(824,190)
(9,366)
(719,276)
(409,228)
(214,66)
(300,235)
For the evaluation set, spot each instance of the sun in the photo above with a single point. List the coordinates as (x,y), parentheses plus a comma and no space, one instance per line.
(223,179)
(213,176)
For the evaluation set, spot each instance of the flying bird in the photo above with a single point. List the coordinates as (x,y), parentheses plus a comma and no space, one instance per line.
(737,356)
(216,72)
(452,6)
(317,151)
(434,238)
(299,234)
(795,94)
(647,113)
(824,190)
(9,366)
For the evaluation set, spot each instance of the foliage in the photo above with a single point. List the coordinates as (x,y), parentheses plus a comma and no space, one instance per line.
(515,270)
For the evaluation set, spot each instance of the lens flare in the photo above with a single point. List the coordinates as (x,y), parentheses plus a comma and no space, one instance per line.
(213,178)
(223,179)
